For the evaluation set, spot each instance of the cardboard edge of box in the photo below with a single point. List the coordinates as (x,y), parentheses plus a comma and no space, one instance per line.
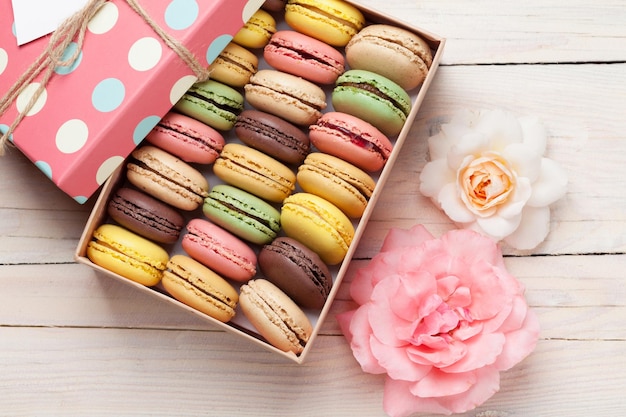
(98,213)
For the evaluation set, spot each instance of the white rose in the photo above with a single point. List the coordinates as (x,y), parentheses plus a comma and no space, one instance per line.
(487,173)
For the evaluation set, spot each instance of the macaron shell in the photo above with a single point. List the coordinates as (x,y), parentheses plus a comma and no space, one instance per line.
(234,66)
(334,22)
(255,172)
(272,135)
(219,250)
(257,31)
(396,53)
(243,214)
(145,215)
(297,271)
(185,137)
(275,316)
(339,182)
(352,139)
(127,254)
(212,103)
(197,286)
(304,56)
(285,95)
(319,225)
(167,178)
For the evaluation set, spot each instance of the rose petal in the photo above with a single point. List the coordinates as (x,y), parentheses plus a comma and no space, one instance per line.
(453,206)
(520,343)
(532,230)
(434,176)
(482,350)
(488,293)
(360,342)
(471,144)
(399,402)
(517,200)
(397,363)
(380,315)
(414,291)
(499,227)
(524,160)
(437,352)
(399,238)
(550,186)
(501,128)
(471,246)
(441,384)
(487,384)
(535,135)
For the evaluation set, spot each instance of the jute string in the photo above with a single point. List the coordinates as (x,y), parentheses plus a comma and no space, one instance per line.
(73,29)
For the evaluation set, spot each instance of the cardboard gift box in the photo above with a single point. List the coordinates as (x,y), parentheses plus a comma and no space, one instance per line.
(92,114)
(239,324)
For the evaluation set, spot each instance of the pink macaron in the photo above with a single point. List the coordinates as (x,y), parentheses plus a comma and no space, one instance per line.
(219,250)
(187,138)
(351,139)
(304,56)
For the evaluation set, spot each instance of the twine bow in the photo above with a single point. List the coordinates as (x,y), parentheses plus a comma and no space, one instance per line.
(74,29)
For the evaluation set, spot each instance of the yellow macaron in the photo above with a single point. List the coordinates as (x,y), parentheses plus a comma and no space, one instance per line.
(234,66)
(318,224)
(255,172)
(127,254)
(338,181)
(257,31)
(334,22)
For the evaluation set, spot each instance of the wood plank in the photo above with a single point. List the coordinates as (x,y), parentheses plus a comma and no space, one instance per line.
(158,372)
(533,31)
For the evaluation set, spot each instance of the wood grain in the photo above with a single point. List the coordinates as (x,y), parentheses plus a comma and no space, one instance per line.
(74,342)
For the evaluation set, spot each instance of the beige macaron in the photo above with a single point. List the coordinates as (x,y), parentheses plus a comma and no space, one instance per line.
(275,316)
(167,178)
(285,95)
(393,52)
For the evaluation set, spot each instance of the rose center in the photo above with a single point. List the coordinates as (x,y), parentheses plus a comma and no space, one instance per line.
(485,182)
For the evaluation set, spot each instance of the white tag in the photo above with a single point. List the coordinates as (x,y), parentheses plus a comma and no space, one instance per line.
(37,18)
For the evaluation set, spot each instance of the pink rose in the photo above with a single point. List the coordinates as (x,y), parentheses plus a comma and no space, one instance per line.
(441,318)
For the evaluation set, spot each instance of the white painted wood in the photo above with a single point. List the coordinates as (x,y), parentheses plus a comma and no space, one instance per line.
(74,342)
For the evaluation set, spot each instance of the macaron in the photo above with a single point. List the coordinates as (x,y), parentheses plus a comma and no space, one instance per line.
(145,215)
(275,316)
(243,214)
(296,270)
(167,178)
(285,95)
(212,103)
(255,172)
(273,135)
(257,31)
(304,56)
(352,139)
(341,183)
(197,286)
(318,224)
(274,5)
(396,53)
(234,65)
(127,254)
(373,98)
(185,137)
(334,22)
(219,250)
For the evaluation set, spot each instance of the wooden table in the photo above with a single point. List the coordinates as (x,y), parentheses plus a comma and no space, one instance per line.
(73,342)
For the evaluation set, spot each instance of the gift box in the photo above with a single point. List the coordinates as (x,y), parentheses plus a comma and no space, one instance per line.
(92,114)
(239,325)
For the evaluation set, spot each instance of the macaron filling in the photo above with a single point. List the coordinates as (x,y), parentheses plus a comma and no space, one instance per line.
(225,106)
(143,215)
(167,177)
(299,52)
(187,134)
(281,137)
(220,300)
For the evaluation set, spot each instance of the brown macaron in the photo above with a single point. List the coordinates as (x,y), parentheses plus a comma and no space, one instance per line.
(272,135)
(296,270)
(145,215)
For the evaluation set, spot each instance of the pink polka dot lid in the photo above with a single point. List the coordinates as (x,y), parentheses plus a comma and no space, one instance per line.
(92,114)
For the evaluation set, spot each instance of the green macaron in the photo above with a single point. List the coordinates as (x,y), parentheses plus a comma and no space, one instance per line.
(373,98)
(242,213)
(213,103)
